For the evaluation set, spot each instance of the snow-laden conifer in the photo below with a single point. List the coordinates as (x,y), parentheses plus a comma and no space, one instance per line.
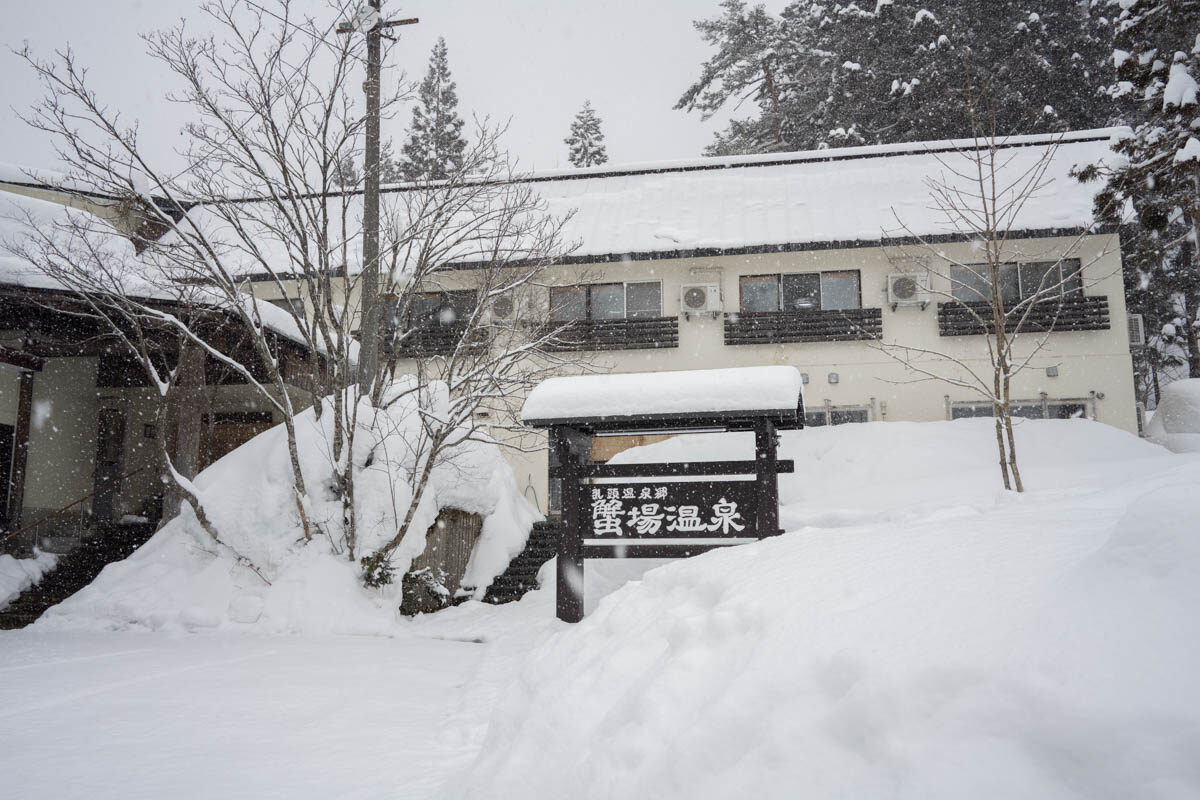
(1156,56)
(586,141)
(827,73)
(435,144)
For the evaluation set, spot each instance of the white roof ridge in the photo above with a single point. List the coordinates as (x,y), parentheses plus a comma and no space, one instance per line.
(803,156)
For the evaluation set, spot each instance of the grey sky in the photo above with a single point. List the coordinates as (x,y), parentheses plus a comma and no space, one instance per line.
(532,60)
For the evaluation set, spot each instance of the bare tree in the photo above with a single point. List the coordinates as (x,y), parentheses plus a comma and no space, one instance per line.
(261,203)
(1014,297)
(466,259)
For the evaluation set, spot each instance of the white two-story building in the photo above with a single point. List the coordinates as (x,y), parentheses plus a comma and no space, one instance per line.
(832,261)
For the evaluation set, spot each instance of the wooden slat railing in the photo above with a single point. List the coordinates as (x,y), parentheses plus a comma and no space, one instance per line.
(617,334)
(1071,313)
(779,327)
(435,340)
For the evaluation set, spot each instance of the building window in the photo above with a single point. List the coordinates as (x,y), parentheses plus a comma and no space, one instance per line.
(1025,409)
(433,309)
(604,301)
(801,291)
(1018,281)
(836,415)
(433,323)
(292,305)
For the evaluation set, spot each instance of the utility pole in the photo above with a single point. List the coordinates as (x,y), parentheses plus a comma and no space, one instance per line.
(368,329)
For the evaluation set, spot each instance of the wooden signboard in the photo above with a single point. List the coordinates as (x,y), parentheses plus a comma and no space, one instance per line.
(657,510)
(649,513)
(661,510)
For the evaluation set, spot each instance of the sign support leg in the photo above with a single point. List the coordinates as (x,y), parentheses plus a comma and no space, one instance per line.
(569,584)
(766,463)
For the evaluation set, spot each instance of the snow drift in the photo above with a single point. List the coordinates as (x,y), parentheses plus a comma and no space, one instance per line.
(181,579)
(916,634)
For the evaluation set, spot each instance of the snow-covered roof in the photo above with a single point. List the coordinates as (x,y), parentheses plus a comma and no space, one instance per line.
(18,213)
(755,391)
(738,204)
(728,205)
(827,196)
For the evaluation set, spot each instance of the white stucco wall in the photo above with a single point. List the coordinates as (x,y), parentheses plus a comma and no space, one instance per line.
(62,448)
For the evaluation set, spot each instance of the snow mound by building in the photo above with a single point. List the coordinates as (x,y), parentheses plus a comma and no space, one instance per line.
(18,574)
(972,643)
(182,580)
(1176,421)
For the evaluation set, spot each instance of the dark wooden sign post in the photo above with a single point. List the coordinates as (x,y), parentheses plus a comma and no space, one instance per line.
(644,510)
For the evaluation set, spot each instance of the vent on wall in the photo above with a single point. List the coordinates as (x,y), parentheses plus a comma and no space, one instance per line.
(1137,330)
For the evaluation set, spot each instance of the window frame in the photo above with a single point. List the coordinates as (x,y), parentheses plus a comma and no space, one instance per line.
(779,300)
(587,300)
(827,411)
(1067,288)
(446,297)
(1087,404)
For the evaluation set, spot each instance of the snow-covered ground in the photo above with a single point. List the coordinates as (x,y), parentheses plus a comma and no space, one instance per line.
(156,715)
(916,634)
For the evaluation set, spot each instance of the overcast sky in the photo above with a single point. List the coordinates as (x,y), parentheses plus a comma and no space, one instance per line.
(532,60)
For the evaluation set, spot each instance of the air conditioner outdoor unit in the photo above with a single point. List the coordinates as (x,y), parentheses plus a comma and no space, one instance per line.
(908,289)
(1137,330)
(503,310)
(700,298)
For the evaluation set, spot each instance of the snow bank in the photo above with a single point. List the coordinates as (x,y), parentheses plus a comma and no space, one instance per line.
(880,470)
(695,391)
(1176,422)
(18,574)
(181,580)
(986,645)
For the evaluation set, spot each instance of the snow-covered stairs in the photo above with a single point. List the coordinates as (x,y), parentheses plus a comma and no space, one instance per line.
(74,571)
(521,575)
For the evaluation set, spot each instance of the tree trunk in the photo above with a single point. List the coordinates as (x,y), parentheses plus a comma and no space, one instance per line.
(186,399)
(773,93)
(1006,378)
(1193,346)
(1000,445)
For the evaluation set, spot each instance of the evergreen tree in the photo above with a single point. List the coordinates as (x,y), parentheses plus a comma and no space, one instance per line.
(435,144)
(1157,61)
(828,73)
(586,141)
(745,65)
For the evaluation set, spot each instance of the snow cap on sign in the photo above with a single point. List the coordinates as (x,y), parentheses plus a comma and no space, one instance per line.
(701,391)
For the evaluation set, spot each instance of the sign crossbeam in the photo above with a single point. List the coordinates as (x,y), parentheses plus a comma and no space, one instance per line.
(650,471)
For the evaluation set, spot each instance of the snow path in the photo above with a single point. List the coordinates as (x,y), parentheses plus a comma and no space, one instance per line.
(155,715)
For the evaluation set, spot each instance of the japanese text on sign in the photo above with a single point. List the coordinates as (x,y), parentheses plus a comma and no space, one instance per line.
(682,510)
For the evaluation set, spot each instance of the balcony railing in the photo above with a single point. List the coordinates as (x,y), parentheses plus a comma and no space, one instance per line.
(434,340)
(780,327)
(644,333)
(1071,313)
